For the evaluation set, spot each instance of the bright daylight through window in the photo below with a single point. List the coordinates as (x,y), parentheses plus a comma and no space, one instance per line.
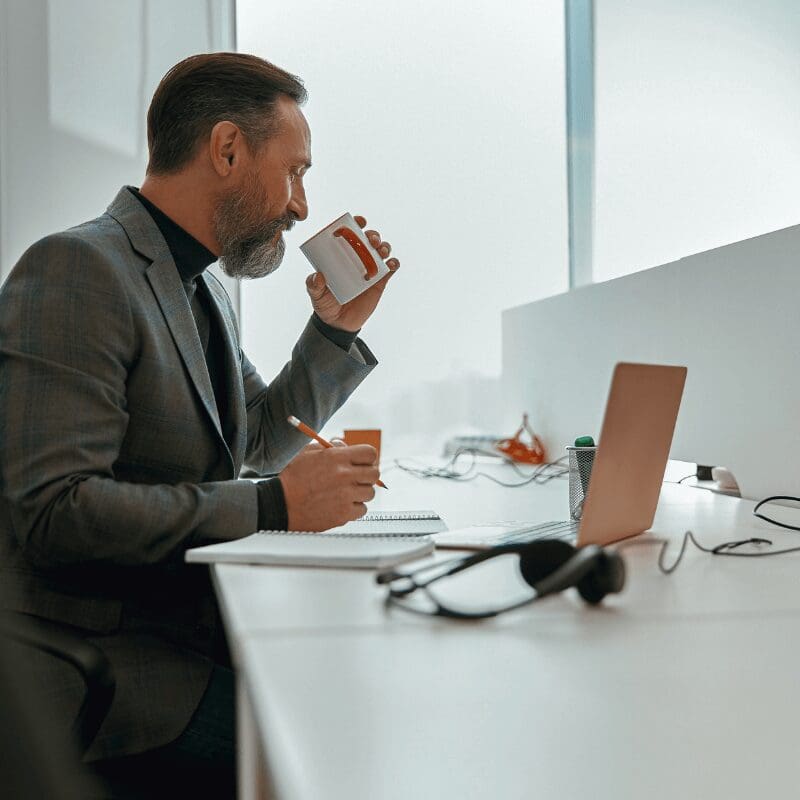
(444,125)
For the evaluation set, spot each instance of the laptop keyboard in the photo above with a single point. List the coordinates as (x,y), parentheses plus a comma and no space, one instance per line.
(563,529)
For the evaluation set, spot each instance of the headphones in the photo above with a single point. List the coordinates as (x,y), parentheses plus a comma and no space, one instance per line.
(551,565)
(548,566)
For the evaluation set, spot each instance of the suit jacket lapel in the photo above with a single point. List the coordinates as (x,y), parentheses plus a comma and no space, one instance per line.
(162,273)
(233,372)
(171,296)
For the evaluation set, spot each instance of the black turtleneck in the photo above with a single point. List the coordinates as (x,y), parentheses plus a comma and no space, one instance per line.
(191,259)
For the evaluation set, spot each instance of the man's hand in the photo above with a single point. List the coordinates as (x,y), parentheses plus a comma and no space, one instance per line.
(325,487)
(351,316)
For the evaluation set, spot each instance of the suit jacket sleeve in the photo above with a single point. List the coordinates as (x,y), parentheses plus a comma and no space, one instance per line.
(311,387)
(67,343)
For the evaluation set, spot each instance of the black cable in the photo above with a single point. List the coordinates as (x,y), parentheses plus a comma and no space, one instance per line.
(449,471)
(724,549)
(774,521)
(727,548)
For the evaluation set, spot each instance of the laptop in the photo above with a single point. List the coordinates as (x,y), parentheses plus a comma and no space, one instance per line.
(628,468)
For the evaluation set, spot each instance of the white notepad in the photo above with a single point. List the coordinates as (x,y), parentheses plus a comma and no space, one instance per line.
(313,550)
(393,523)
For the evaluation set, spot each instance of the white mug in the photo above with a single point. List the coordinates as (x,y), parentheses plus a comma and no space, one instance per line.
(344,255)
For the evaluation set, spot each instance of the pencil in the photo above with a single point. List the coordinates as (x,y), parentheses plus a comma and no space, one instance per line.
(312,434)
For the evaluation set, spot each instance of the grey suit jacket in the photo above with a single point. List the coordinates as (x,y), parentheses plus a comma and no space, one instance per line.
(113,460)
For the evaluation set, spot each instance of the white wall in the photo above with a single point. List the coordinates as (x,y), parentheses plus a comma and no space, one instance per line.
(697,126)
(444,125)
(77,77)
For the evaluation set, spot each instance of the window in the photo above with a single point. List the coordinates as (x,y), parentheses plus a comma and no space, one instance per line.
(697,127)
(443,124)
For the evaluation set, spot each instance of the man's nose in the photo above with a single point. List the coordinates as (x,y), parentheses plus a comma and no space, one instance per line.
(298,205)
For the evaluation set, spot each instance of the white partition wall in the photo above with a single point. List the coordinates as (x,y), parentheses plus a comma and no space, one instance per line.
(729,314)
(76,77)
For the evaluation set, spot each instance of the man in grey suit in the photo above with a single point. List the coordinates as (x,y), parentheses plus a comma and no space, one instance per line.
(128,409)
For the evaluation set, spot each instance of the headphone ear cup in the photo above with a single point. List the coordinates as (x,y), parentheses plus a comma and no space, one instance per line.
(542,558)
(607,577)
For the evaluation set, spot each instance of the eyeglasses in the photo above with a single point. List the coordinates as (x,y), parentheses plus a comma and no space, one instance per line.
(493,585)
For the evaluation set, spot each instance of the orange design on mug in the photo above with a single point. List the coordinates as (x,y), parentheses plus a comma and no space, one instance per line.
(366,257)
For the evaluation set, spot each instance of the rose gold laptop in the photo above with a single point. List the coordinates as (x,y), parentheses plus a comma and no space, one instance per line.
(628,468)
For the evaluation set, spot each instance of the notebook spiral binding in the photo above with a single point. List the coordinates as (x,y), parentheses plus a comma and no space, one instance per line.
(339,535)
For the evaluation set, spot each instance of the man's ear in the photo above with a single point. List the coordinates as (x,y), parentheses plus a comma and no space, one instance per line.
(225,147)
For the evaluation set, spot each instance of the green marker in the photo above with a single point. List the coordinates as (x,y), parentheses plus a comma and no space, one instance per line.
(585,462)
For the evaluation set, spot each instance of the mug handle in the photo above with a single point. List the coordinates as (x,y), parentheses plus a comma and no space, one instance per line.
(366,257)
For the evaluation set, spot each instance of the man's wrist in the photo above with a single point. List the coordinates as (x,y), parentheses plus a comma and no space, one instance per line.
(272,512)
(341,338)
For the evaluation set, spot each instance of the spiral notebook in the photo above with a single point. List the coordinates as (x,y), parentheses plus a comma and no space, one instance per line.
(293,548)
(393,523)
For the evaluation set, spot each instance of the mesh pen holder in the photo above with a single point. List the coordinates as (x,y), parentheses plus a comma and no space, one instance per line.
(581,460)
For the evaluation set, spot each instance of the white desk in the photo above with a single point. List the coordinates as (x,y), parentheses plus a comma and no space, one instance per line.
(682,686)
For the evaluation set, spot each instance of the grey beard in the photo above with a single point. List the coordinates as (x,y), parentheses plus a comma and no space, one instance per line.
(254,257)
(249,247)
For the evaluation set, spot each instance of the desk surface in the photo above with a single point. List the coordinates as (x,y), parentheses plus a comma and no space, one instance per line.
(680,686)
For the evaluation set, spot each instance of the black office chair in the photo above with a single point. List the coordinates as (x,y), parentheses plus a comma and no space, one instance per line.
(90,662)
(36,758)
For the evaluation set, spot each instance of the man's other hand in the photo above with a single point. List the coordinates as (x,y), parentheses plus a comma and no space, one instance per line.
(351,316)
(325,487)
